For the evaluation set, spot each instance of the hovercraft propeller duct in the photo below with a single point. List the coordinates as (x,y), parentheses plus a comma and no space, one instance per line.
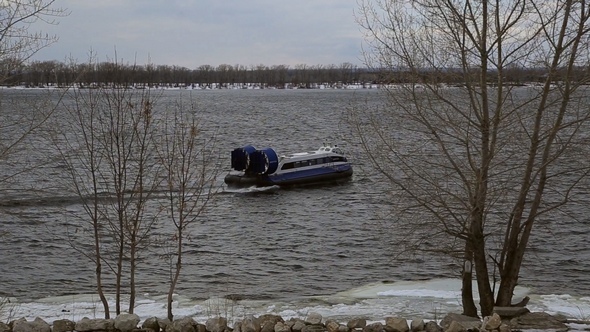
(250,160)
(264,161)
(240,158)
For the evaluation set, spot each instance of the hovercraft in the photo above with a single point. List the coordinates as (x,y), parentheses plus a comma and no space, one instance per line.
(264,167)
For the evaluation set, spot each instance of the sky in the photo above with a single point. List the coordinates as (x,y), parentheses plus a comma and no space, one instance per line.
(191,33)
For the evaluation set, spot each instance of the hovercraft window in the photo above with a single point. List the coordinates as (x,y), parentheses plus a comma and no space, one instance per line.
(311,162)
(288,166)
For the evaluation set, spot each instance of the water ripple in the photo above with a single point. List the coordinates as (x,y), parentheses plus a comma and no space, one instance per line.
(259,243)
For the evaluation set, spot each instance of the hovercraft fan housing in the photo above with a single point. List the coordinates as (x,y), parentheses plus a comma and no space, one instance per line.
(240,158)
(264,162)
(252,161)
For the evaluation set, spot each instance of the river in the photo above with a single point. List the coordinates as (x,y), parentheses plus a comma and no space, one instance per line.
(278,245)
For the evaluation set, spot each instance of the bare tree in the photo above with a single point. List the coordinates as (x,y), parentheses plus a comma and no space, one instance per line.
(17,44)
(188,156)
(79,146)
(473,166)
(19,117)
(108,146)
(121,155)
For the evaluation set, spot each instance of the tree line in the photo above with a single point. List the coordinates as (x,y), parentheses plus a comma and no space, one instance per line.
(55,73)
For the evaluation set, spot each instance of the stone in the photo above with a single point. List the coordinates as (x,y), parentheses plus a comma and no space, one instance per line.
(63,325)
(468,322)
(298,326)
(282,327)
(37,325)
(250,324)
(314,328)
(216,324)
(432,327)
(537,321)
(237,326)
(268,322)
(87,324)
(504,328)
(375,327)
(493,322)
(4,327)
(164,323)
(269,317)
(455,327)
(13,323)
(510,312)
(314,318)
(267,326)
(396,324)
(357,323)
(150,323)
(332,326)
(203,328)
(417,325)
(186,324)
(126,322)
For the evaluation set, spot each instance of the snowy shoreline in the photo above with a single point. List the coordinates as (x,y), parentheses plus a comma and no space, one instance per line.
(428,300)
(502,320)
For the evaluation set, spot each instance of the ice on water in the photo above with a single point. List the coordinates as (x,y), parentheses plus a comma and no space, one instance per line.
(429,299)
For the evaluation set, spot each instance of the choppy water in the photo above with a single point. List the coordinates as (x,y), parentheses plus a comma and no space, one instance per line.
(277,244)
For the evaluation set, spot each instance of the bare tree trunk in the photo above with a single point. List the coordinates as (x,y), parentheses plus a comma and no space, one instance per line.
(97,248)
(132,270)
(174,280)
(486,296)
(469,308)
(120,256)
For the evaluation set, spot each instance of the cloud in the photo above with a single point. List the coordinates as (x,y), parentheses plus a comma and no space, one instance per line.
(193,33)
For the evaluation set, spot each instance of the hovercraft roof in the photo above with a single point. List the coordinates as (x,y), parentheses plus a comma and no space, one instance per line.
(325,149)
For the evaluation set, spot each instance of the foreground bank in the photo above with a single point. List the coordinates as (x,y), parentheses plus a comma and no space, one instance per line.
(504,319)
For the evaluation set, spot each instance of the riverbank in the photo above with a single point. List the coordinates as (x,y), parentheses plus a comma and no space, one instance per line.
(504,319)
(428,300)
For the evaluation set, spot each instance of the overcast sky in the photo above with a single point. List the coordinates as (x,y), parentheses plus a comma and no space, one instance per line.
(191,33)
